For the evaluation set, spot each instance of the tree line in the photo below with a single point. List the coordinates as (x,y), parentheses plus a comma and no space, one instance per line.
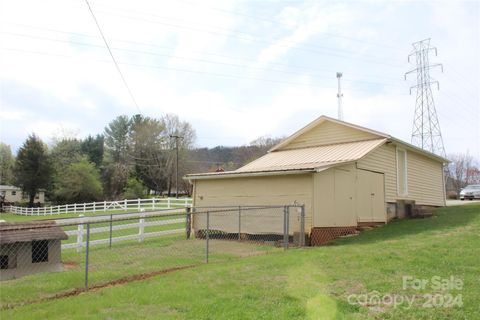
(132,158)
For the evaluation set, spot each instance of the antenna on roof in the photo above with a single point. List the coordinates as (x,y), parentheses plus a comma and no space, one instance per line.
(339,96)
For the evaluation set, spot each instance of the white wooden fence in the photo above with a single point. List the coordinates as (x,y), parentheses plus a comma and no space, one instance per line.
(81,231)
(103,206)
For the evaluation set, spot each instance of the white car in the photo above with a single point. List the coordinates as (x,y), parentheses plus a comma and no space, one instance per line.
(470,192)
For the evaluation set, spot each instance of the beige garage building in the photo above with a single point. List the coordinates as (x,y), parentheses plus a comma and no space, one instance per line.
(344,174)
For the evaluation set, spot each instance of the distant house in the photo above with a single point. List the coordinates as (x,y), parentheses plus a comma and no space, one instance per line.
(14,195)
(29,247)
(347,176)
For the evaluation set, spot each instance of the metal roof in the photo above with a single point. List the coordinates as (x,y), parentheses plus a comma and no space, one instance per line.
(314,157)
(26,231)
(304,159)
(322,119)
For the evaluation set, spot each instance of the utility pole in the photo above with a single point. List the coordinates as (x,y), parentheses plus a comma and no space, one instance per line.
(339,96)
(176,137)
(426,132)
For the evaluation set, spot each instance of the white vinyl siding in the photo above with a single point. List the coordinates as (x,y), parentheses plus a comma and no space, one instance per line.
(271,190)
(383,160)
(402,173)
(425,180)
(328,133)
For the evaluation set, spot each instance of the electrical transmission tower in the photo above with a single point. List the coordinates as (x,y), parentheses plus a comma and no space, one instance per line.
(426,132)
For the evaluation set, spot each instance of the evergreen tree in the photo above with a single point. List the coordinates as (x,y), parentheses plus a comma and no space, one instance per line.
(32,167)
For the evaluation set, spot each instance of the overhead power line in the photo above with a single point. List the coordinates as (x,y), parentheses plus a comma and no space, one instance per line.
(204,73)
(113,58)
(246,59)
(236,65)
(249,37)
(256,19)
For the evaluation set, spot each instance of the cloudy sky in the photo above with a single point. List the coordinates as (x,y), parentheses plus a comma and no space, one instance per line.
(236,70)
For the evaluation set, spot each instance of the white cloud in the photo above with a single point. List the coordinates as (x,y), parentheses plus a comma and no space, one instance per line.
(83,91)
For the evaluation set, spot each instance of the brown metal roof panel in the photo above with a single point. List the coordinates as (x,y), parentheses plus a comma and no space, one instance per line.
(11,232)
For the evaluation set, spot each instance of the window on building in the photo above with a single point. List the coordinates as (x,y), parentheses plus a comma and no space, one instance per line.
(39,251)
(402,181)
(14,193)
(4,262)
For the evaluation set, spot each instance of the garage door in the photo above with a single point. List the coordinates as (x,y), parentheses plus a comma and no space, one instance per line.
(370,197)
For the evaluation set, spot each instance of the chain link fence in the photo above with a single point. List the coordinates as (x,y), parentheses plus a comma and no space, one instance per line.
(51,258)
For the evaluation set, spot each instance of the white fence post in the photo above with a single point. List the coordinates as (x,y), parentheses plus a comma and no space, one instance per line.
(125,205)
(138,201)
(84,207)
(153,203)
(141,227)
(104,206)
(94,207)
(75,208)
(80,235)
(168,203)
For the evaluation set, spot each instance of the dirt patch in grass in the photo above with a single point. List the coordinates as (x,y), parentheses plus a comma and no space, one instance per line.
(69,265)
(240,249)
(78,291)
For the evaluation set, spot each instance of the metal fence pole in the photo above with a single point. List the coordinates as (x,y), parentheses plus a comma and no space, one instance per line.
(302,226)
(188,222)
(239,222)
(86,256)
(288,226)
(285,227)
(207,237)
(80,235)
(111,222)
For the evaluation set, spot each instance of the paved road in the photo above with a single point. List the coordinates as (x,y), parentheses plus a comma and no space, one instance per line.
(460,202)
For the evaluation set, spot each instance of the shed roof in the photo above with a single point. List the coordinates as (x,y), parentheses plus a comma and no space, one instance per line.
(7,187)
(279,160)
(313,157)
(11,232)
(304,159)
(379,134)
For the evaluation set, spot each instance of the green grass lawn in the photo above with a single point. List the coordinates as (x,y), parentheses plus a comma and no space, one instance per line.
(310,283)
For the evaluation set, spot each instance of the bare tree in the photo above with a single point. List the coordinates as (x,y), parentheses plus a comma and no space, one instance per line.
(462,171)
(175,127)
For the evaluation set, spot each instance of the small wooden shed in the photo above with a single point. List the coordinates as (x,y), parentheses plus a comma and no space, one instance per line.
(346,176)
(29,247)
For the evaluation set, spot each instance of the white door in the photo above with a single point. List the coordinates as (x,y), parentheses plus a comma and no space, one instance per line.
(344,192)
(370,197)
(334,198)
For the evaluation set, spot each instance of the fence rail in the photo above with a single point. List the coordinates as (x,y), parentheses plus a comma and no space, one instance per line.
(103,206)
(80,232)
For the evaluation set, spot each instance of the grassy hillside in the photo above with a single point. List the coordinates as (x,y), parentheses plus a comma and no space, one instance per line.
(312,283)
